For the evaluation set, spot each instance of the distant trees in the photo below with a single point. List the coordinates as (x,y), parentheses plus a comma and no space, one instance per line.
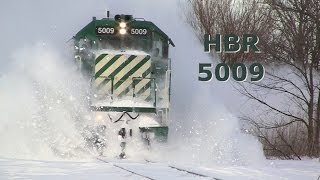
(231,17)
(289,32)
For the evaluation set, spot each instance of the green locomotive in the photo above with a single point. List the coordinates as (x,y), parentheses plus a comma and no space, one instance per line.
(126,61)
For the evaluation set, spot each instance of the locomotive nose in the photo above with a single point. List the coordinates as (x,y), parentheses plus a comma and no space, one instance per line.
(123,75)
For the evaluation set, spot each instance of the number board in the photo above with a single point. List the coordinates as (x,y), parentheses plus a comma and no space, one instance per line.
(139,31)
(104,30)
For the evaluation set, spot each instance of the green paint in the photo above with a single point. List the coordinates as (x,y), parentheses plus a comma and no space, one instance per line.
(146,87)
(250,41)
(106,66)
(123,65)
(231,43)
(209,41)
(133,70)
(100,58)
(157,70)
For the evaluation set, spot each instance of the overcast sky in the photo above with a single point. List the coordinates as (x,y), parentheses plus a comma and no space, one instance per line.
(26,22)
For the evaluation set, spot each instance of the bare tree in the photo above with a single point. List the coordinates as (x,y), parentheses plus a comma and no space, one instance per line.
(289,32)
(231,17)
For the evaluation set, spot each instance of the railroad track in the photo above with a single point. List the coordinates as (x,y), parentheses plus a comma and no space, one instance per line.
(187,171)
(120,167)
(194,174)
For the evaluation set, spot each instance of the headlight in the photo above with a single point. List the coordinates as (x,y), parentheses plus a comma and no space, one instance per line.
(123,31)
(123,24)
(99,117)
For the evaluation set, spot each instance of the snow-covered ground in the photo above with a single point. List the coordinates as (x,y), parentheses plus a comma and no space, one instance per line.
(94,169)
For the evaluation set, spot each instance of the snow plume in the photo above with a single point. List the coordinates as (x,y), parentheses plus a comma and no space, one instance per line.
(202,130)
(42,106)
(207,134)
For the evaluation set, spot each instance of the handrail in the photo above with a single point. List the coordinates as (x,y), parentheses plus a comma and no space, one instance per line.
(140,19)
(133,86)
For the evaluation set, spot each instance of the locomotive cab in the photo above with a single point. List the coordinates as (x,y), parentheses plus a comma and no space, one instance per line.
(127,63)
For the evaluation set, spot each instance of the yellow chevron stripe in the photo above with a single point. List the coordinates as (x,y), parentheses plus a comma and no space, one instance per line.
(126,69)
(114,66)
(104,61)
(141,84)
(106,88)
(145,94)
(129,81)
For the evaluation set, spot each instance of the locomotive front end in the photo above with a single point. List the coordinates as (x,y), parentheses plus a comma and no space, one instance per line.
(127,63)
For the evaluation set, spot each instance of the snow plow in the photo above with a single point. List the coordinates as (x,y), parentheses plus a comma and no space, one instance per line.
(126,60)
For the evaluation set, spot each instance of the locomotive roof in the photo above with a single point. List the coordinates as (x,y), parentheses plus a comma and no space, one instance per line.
(89,30)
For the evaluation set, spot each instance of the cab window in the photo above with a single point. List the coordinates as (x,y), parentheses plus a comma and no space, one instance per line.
(160,46)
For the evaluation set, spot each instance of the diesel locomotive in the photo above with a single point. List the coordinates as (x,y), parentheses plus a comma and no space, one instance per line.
(126,62)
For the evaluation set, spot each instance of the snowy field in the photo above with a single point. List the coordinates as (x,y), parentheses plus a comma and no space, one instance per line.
(94,169)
